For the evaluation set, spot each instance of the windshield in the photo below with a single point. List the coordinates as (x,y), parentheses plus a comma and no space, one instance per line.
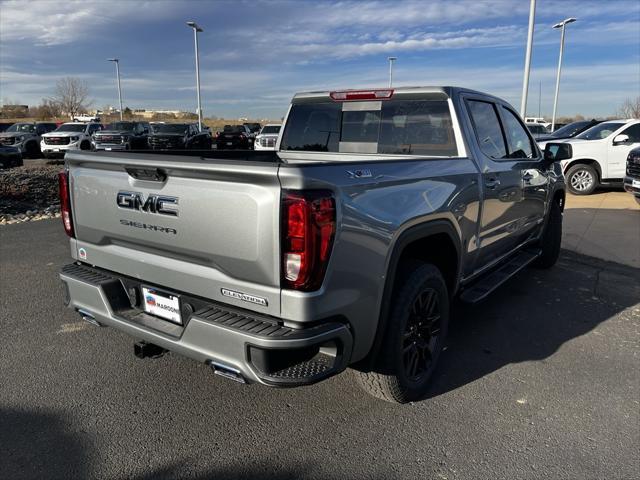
(270,129)
(170,128)
(600,131)
(570,130)
(71,127)
(410,127)
(22,127)
(234,129)
(121,126)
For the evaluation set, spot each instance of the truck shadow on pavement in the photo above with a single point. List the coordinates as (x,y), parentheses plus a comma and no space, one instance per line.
(532,316)
(39,445)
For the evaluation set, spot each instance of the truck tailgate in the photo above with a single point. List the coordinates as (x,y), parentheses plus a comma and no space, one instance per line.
(201,227)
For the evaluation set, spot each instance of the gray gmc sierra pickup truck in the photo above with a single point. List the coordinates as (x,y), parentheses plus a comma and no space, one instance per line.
(344,247)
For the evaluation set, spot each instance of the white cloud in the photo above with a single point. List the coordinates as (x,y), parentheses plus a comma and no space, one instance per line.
(48,23)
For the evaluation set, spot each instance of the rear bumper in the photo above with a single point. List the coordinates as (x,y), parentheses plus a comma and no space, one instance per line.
(259,348)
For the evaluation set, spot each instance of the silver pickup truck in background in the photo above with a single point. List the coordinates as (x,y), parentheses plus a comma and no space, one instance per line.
(342,248)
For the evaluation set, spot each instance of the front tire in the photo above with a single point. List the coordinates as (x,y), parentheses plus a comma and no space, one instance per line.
(551,238)
(582,179)
(85,145)
(416,331)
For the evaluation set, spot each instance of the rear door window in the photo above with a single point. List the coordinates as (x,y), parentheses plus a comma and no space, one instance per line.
(411,127)
(487,127)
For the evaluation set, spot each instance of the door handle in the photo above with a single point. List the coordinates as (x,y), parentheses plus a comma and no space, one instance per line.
(492,183)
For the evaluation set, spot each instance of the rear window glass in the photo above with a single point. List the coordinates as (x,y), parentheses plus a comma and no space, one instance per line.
(412,127)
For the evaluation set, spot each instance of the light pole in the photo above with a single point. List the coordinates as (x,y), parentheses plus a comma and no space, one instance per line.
(527,59)
(561,25)
(391,60)
(117,62)
(197,29)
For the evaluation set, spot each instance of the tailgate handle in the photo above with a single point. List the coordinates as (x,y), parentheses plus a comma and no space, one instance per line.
(149,174)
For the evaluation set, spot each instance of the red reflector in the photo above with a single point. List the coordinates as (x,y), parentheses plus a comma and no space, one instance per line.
(65,202)
(308,228)
(351,95)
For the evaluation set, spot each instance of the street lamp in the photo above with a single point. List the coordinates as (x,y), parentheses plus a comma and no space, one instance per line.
(391,60)
(117,62)
(561,25)
(527,59)
(197,29)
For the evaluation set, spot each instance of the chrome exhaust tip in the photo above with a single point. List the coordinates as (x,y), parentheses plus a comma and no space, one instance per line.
(226,372)
(88,317)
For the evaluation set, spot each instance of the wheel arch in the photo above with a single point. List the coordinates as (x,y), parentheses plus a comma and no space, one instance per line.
(435,241)
(586,161)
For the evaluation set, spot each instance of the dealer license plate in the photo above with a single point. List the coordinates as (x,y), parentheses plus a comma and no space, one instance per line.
(162,304)
(108,149)
(635,183)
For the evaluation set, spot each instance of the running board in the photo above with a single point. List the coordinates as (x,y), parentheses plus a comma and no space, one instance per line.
(483,287)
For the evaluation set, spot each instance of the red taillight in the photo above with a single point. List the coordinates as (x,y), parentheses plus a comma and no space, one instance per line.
(65,202)
(351,95)
(308,228)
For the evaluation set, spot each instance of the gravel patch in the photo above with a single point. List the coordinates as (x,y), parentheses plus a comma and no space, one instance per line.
(28,194)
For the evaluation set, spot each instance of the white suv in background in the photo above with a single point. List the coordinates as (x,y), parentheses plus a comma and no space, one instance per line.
(267,138)
(68,136)
(600,155)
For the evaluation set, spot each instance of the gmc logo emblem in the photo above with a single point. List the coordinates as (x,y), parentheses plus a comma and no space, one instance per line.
(160,204)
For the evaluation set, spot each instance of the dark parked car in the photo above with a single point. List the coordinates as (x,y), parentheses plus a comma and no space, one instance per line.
(537,130)
(254,128)
(122,136)
(569,131)
(26,136)
(10,157)
(234,136)
(178,136)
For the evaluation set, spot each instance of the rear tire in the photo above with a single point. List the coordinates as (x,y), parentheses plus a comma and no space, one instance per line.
(551,238)
(416,331)
(582,179)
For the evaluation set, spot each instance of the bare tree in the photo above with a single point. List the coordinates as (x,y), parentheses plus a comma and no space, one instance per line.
(47,110)
(630,108)
(72,95)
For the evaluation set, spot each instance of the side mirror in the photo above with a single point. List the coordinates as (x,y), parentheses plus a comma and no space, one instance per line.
(622,138)
(554,152)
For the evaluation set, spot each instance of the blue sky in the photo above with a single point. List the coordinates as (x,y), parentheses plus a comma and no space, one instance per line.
(256,54)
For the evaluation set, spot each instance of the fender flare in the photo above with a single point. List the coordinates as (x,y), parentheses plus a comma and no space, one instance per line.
(585,161)
(408,236)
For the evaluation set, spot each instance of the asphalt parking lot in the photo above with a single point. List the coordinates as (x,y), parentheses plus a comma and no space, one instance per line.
(540,381)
